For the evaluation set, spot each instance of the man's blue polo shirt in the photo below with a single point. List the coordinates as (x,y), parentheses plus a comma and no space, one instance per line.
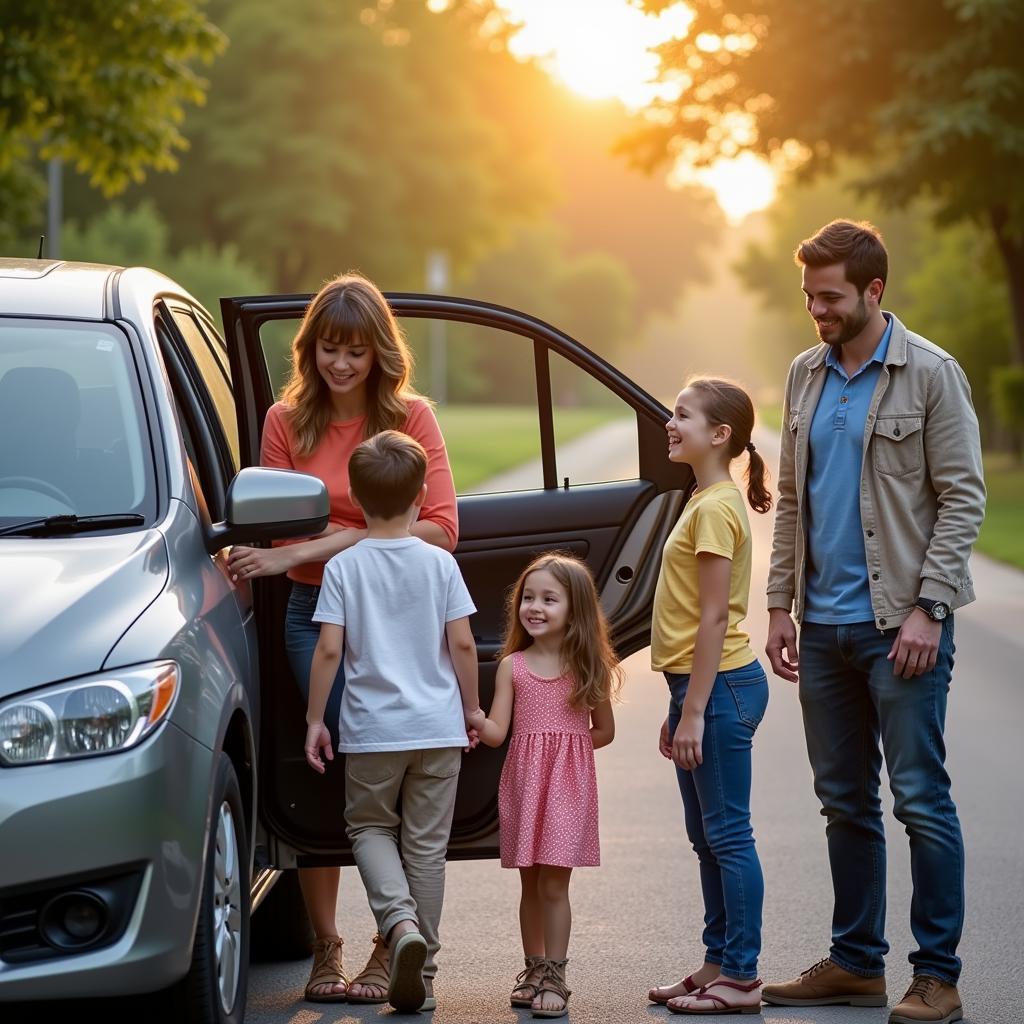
(837,571)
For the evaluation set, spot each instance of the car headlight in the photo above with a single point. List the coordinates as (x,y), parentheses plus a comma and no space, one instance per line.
(97,714)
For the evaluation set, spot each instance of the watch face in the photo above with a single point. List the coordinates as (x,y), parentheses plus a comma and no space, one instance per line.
(939,611)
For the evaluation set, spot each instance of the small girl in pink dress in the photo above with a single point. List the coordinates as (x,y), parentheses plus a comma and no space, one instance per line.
(559,672)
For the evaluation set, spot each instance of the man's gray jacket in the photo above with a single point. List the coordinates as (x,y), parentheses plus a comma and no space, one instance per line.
(922,492)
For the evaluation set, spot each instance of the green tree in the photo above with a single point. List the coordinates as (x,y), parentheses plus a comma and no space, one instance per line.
(664,236)
(944,283)
(931,93)
(589,296)
(1007,389)
(350,133)
(102,86)
(958,299)
(140,238)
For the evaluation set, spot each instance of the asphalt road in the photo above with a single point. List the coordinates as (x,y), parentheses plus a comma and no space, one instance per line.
(637,919)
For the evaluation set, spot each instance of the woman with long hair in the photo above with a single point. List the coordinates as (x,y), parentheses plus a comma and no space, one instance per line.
(350,379)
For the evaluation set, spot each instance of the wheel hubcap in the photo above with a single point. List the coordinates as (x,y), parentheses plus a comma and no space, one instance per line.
(227,908)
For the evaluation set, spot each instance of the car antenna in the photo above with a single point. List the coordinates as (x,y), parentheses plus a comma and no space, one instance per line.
(40,256)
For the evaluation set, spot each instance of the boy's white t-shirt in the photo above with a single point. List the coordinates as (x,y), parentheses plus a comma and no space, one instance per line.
(394,598)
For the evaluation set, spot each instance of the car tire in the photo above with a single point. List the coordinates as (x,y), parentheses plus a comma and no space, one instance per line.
(214,990)
(281,929)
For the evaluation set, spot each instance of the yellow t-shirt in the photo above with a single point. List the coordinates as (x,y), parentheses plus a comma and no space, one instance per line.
(715,521)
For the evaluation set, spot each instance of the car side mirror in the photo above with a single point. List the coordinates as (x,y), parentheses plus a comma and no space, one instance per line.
(269,504)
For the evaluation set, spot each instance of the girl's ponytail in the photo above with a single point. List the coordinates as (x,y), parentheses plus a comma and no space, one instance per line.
(758,495)
(725,402)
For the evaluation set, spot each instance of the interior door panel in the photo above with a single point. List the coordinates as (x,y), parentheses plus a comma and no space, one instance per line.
(617,528)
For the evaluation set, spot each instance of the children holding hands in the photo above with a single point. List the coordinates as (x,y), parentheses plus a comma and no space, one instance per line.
(555,684)
(398,610)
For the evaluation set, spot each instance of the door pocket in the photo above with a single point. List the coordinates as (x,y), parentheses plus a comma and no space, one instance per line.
(897,444)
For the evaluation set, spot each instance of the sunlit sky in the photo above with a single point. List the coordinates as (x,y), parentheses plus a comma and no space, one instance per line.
(601,49)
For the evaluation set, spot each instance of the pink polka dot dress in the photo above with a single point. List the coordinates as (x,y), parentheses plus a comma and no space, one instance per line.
(547,797)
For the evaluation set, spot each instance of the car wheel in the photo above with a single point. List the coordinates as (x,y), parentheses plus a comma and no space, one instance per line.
(214,990)
(280,926)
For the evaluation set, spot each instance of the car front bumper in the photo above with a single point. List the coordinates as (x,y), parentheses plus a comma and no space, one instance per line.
(143,812)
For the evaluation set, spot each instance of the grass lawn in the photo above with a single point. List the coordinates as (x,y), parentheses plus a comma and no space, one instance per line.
(484,440)
(1002,534)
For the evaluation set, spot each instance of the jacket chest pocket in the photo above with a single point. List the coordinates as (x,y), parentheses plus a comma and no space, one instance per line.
(898,444)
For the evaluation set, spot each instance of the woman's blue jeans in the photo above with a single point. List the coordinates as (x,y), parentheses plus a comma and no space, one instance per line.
(301,634)
(716,809)
(851,698)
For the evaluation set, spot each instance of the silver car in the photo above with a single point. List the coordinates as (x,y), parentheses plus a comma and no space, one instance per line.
(128,658)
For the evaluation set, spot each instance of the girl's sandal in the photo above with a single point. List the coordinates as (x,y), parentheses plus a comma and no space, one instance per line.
(706,1003)
(533,969)
(553,982)
(327,970)
(658,995)
(376,973)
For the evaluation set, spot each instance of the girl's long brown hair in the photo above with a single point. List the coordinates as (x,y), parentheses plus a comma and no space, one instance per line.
(348,310)
(724,402)
(587,651)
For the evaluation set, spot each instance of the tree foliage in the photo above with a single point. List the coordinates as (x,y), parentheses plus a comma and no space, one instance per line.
(944,283)
(347,133)
(140,238)
(589,296)
(928,93)
(101,85)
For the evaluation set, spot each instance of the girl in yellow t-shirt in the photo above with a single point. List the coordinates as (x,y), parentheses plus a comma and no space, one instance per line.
(718,689)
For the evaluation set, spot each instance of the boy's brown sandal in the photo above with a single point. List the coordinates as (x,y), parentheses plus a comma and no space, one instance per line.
(533,969)
(376,973)
(928,999)
(553,981)
(327,970)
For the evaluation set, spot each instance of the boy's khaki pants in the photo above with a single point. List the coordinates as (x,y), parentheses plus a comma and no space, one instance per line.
(401,858)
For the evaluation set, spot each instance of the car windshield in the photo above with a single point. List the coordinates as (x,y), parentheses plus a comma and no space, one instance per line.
(73,440)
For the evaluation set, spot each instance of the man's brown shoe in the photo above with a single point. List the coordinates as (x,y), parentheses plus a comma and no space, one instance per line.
(826,984)
(928,999)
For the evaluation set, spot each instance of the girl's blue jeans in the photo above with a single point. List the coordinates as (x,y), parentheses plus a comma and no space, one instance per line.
(716,808)
(300,636)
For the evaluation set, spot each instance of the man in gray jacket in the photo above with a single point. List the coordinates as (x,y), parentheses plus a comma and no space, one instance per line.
(880,500)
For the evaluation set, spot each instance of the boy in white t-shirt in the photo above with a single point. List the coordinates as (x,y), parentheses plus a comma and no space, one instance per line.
(399,610)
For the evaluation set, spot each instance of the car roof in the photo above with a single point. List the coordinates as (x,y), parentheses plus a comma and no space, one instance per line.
(54,288)
(83,291)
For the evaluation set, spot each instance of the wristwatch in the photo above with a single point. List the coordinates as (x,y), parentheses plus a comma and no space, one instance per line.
(935,610)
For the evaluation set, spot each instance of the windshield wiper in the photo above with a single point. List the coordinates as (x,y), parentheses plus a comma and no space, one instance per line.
(53,525)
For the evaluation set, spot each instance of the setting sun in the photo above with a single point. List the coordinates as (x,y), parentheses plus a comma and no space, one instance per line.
(742,185)
(603,50)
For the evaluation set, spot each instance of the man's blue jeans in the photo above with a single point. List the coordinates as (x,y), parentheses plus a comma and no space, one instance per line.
(851,698)
(716,809)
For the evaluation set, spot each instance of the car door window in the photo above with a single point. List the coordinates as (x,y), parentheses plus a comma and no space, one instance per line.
(483,384)
(215,376)
(204,440)
(595,430)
